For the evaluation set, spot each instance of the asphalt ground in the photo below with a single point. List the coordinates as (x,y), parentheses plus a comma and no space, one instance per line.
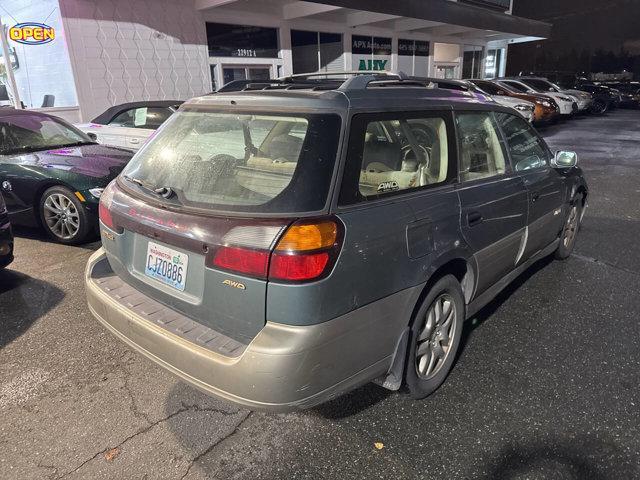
(546,385)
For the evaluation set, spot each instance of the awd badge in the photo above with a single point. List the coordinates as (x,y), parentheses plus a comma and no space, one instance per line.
(234,284)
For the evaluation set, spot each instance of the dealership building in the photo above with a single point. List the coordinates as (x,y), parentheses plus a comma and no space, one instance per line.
(107,52)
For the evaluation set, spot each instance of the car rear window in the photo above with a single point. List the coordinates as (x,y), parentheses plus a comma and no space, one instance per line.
(262,162)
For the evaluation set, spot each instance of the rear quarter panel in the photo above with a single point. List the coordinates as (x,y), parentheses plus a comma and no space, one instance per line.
(388,247)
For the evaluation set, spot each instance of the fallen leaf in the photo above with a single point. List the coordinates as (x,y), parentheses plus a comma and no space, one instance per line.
(379,445)
(110,454)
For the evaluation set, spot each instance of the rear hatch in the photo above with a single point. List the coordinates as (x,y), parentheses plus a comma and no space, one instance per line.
(196,218)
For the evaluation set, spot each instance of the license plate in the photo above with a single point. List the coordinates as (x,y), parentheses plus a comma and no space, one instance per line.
(167,265)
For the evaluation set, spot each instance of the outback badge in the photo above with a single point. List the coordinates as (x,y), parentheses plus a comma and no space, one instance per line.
(234,284)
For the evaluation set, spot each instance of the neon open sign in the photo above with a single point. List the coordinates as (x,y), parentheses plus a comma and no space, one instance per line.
(31,33)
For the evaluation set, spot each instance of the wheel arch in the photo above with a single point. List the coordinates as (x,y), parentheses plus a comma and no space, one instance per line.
(458,263)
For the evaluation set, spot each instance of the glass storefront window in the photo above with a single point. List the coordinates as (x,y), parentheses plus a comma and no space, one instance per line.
(472,62)
(371,53)
(413,57)
(493,63)
(230,74)
(316,51)
(42,71)
(226,40)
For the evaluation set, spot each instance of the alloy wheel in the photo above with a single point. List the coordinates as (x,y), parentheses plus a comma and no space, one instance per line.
(434,341)
(571,227)
(61,216)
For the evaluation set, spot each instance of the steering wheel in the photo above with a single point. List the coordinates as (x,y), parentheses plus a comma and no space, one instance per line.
(423,136)
(408,150)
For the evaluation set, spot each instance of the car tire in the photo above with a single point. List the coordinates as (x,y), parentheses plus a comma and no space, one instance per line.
(598,107)
(435,337)
(570,229)
(63,216)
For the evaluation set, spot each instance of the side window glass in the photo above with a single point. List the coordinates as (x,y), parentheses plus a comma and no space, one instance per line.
(481,152)
(124,119)
(526,148)
(402,154)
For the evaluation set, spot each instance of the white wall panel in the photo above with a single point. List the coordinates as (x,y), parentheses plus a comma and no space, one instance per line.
(129,50)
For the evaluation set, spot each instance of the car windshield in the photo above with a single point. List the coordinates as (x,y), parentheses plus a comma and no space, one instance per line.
(261,162)
(22,132)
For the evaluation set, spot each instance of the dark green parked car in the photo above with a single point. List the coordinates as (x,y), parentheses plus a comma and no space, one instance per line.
(52,174)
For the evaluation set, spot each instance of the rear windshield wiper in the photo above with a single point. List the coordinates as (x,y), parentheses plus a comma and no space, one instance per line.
(165,192)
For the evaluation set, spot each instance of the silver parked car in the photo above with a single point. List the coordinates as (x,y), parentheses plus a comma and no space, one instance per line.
(282,242)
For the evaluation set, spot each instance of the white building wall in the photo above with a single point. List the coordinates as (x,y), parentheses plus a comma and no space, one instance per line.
(43,69)
(129,50)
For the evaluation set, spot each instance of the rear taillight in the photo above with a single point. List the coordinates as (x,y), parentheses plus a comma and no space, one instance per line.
(104,207)
(306,251)
(297,267)
(242,260)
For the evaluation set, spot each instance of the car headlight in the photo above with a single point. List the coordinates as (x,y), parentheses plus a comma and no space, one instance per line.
(544,103)
(523,108)
(96,192)
(565,99)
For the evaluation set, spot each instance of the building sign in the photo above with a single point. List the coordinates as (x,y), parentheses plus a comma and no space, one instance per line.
(413,48)
(371,53)
(31,33)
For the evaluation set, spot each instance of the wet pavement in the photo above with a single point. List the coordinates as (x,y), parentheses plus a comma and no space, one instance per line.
(546,386)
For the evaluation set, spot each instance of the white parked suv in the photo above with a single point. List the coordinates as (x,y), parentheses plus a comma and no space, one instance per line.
(130,124)
(543,85)
(568,104)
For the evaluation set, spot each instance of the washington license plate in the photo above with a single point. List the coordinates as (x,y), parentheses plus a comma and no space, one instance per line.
(167,265)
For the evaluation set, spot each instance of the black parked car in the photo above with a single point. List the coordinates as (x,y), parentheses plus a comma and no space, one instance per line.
(6,236)
(52,174)
(604,98)
(289,240)
(629,93)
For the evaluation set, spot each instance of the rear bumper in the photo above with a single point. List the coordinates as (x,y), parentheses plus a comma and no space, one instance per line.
(283,368)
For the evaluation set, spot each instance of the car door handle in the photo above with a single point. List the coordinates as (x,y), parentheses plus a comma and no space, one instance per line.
(474,218)
(535,196)
(134,140)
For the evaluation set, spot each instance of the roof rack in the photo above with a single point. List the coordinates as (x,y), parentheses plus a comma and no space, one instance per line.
(355,80)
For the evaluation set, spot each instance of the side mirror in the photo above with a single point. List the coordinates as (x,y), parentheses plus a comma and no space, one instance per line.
(564,160)
(92,136)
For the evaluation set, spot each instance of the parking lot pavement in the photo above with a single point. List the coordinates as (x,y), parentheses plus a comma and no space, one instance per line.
(546,386)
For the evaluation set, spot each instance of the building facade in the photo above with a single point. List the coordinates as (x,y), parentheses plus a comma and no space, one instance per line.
(113,51)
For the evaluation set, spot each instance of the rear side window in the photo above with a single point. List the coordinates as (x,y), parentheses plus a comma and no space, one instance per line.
(481,150)
(247,162)
(394,153)
(527,149)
